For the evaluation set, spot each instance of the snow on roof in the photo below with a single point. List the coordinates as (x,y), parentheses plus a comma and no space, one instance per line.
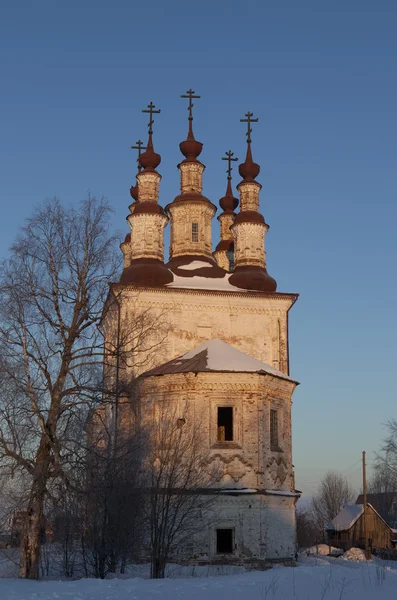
(195,264)
(283,493)
(216,355)
(346,517)
(255,491)
(239,491)
(196,282)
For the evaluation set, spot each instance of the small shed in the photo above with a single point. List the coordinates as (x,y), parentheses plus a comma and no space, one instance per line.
(346,530)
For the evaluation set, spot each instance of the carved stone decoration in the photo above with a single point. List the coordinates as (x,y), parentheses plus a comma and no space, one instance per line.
(277,470)
(226,221)
(191,177)
(148,235)
(182,218)
(249,244)
(222,260)
(148,185)
(236,469)
(249,195)
(229,468)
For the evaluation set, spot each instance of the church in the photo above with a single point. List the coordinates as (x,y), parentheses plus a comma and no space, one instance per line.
(225,354)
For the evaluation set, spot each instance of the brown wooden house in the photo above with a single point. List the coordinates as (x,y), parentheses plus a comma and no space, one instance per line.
(347,529)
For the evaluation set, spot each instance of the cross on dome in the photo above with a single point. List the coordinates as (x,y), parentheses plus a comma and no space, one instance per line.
(249,120)
(151,111)
(139,146)
(190,94)
(229,159)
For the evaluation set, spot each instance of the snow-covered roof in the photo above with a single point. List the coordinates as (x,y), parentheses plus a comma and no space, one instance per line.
(255,491)
(203,283)
(216,355)
(349,515)
(346,517)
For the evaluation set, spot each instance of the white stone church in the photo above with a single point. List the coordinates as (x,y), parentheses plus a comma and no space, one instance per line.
(226,351)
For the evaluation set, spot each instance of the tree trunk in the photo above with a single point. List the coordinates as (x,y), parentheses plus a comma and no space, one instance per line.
(29,566)
(31,539)
(157,568)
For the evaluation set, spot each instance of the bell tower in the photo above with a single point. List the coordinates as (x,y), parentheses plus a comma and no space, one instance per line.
(250,228)
(190,212)
(143,247)
(224,252)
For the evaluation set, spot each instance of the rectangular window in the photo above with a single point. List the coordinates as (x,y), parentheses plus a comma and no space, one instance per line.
(224,541)
(225,423)
(195,232)
(273,428)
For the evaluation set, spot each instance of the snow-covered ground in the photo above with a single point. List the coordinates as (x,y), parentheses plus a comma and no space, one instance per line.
(316,578)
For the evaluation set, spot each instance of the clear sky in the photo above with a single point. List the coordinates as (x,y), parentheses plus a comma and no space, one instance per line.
(322,78)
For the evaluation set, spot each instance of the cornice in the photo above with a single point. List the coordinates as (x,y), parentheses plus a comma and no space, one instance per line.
(199,292)
(273,385)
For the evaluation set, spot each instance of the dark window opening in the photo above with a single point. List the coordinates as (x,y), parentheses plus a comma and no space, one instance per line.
(273,428)
(225,423)
(224,541)
(195,232)
(230,258)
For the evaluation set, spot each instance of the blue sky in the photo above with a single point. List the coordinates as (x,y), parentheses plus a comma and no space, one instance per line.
(321,76)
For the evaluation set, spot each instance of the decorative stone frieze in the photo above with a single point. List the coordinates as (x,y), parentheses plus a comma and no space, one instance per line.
(148,186)
(250,244)
(147,235)
(191,174)
(185,241)
(249,195)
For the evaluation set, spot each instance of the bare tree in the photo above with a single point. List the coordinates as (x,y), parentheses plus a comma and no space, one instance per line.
(306,530)
(385,479)
(112,505)
(333,493)
(177,482)
(52,292)
(383,482)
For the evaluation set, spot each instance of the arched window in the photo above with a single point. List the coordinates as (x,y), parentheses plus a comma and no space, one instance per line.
(195,232)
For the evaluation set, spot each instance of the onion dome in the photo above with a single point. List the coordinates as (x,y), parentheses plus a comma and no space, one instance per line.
(249,170)
(149,160)
(134,192)
(191,148)
(228,202)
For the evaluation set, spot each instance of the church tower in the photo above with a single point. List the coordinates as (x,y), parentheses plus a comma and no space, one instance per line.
(225,355)
(224,252)
(191,213)
(249,228)
(143,248)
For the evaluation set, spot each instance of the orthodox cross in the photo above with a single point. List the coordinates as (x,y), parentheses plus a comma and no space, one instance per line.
(249,121)
(190,94)
(229,159)
(139,146)
(151,111)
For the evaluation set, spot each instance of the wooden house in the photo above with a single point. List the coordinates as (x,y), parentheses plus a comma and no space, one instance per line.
(346,530)
(385,503)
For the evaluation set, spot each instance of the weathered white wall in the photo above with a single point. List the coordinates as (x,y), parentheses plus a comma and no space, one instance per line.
(264,529)
(248,461)
(257,325)
(254,323)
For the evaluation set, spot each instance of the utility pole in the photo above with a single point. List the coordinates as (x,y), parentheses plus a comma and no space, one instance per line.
(367,554)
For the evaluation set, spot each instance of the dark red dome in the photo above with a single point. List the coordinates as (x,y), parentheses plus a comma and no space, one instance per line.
(228,203)
(248,169)
(149,159)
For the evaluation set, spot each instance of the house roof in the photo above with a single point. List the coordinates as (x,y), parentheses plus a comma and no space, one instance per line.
(385,503)
(349,515)
(216,356)
(346,517)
